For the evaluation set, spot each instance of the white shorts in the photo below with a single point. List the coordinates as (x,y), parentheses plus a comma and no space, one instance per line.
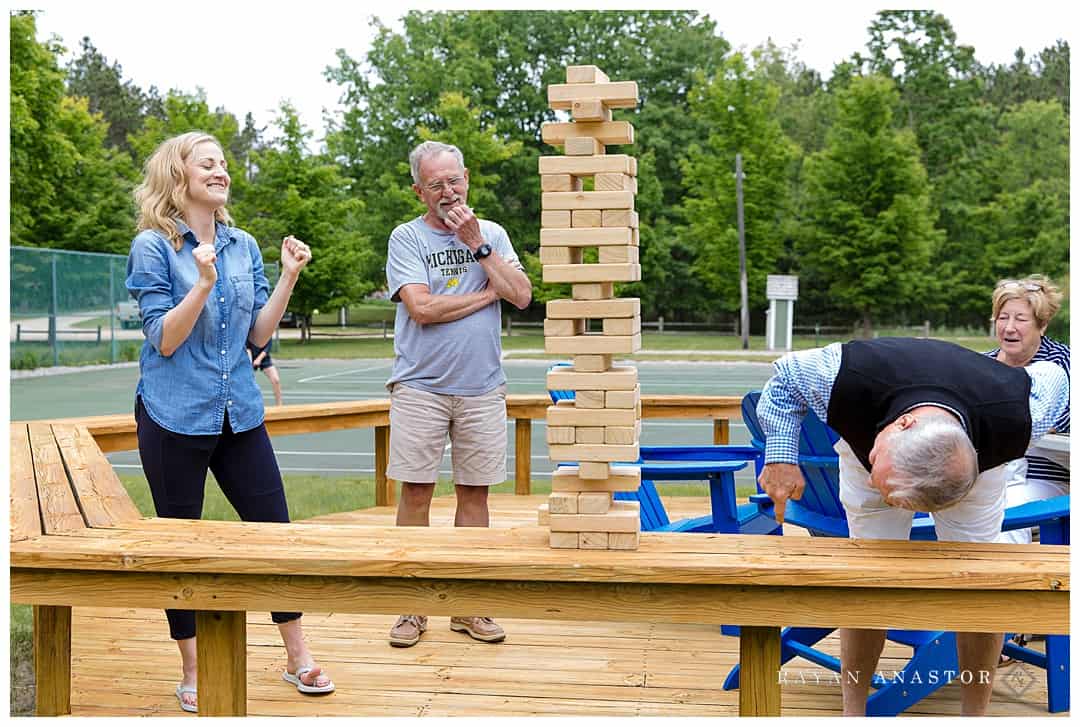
(420,422)
(976,518)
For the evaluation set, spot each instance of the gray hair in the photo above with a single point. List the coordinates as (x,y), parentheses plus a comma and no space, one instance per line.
(429,149)
(934,465)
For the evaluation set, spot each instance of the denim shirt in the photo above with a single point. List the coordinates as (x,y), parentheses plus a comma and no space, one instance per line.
(189,391)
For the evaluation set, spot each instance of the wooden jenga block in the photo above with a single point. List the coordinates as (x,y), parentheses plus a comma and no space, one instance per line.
(564,326)
(588,236)
(561,435)
(613,308)
(623,517)
(573,416)
(620,435)
(585,218)
(555,219)
(623,541)
(590,110)
(592,291)
(558,133)
(585,74)
(582,146)
(610,255)
(592,363)
(588,435)
(637,410)
(603,201)
(583,453)
(592,343)
(617,95)
(560,183)
(594,503)
(613,182)
(564,540)
(563,503)
(594,470)
(619,218)
(622,399)
(568,403)
(619,326)
(543,514)
(619,378)
(561,255)
(593,541)
(589,400)
(635,236)
(592,273)
(588,166)
(621,478)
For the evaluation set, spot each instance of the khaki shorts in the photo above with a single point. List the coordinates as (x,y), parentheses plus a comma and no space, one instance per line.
(420,422)
(976,517)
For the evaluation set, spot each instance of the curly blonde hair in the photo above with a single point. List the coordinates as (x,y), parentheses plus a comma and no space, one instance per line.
(1038,290)
(163,192)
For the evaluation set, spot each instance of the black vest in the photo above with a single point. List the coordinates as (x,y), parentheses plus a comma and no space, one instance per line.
(879,380)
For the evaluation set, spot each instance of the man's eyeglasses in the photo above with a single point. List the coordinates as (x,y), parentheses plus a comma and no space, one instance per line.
(438,187)
(1013,284)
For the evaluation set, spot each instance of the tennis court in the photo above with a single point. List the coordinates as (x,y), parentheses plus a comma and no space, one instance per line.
(352,452)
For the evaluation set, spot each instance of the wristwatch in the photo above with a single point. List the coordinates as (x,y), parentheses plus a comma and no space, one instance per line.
(482,252)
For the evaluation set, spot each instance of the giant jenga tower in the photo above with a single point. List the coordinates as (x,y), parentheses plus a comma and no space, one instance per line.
(602,424)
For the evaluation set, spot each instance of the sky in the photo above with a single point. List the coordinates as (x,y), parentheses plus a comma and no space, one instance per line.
(250,56)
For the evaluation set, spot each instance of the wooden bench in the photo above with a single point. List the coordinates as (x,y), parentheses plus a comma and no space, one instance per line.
(77,540)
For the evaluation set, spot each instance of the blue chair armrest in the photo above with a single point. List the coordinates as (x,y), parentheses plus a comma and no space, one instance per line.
(698,453)
(1032,513)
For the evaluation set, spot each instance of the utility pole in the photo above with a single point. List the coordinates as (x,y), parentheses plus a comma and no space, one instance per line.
(744,320)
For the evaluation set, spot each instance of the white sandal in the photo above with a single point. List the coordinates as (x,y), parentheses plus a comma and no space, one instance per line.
(295,680)
(182,690)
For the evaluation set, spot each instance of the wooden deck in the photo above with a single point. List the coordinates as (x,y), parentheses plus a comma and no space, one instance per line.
(124,663)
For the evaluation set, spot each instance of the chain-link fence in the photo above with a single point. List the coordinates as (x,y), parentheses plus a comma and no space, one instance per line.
(71,308)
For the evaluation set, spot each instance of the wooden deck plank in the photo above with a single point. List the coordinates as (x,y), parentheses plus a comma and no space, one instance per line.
(102,497)
(59,511)
(128,666)
(24,515)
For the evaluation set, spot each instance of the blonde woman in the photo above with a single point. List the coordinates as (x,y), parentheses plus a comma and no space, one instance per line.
(203,295)
(1022,310)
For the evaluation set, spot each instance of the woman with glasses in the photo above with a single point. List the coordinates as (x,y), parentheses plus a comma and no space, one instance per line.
(1022,310)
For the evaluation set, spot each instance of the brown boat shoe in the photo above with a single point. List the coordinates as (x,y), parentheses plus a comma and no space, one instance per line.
(480,628)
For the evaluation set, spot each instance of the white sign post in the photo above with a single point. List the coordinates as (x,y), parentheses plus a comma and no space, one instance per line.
(782,292)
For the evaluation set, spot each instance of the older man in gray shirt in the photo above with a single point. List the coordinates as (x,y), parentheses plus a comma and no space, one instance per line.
(447,270)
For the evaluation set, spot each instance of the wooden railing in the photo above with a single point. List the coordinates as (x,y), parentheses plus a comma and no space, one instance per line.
(116,432)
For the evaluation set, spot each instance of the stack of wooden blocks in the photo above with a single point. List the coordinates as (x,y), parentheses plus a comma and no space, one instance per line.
(602,424)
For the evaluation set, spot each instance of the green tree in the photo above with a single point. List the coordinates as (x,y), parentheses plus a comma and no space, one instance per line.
(122,104)
(297,193)
(501,63)
(865,250)
(68,188)
(738,104)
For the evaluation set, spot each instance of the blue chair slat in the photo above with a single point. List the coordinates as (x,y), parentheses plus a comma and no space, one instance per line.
(821,512)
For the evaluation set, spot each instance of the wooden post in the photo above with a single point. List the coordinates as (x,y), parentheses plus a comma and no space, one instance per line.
(385,490)
(522,456)
(52,660)
(759,660)
(222,655)
(721,431)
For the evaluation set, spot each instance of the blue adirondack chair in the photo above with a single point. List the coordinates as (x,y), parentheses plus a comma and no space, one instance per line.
(820,512)
(715,464)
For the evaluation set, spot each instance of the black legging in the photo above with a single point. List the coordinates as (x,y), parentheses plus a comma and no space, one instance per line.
(244,466)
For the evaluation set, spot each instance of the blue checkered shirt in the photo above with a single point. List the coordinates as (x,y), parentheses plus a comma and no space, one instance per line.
(804,380)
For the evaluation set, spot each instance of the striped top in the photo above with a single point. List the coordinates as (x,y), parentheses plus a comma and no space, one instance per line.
(1040,468)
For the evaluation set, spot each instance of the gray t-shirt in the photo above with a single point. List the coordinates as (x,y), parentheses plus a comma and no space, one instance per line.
(462,357)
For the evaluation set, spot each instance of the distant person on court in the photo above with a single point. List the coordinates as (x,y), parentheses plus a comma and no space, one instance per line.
(448,271)
(203,296)
(925,426)
(260,360)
